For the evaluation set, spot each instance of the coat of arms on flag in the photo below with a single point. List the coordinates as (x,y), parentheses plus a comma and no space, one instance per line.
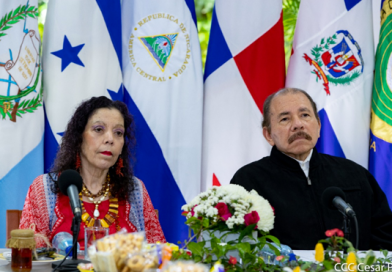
(20,70)
(160,47)
(337,60)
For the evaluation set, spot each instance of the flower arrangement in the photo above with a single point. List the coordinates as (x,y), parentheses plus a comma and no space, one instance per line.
(230,207)
(229,211)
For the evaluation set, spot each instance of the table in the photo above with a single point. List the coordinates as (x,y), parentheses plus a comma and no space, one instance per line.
(306,255)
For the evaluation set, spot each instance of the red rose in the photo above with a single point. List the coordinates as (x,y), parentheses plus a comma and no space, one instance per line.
(232,260)
(223,211)
(252,218)
(188,253)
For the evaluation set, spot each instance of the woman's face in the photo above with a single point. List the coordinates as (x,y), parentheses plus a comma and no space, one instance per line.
(103,139)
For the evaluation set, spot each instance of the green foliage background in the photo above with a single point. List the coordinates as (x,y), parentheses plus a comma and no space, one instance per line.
(204,15)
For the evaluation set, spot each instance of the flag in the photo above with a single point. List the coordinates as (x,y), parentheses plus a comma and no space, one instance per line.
(245,64)
(333,60)
(380,153)
(82,56)
(21,111)
(162,76)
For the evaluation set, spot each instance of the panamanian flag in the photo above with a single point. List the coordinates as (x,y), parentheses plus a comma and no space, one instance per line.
(21,104)
(162,75)
(245,64)
(333,60)
(82,56)
(380,153)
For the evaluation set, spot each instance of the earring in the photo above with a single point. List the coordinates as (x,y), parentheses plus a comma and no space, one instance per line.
(119,166)
(78,162)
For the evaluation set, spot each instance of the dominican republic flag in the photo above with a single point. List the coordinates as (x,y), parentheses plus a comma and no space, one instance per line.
(21,110)
(162,75)
(333,60)
(82,58)
(245,64)
(380,153)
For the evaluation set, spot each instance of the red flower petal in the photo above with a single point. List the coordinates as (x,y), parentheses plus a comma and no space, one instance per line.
(232,260)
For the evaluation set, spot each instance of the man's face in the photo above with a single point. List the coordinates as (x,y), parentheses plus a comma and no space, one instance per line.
(294,126)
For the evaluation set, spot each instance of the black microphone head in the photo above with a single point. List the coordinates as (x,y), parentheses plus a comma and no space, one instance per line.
(70,177)
(329,194)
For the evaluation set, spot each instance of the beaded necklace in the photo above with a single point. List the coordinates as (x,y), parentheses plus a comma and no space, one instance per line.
(112,214)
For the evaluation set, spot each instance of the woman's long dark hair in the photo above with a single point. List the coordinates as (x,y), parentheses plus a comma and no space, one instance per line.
(73,138)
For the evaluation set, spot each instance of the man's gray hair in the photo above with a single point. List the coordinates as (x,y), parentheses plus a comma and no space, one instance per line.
(267,105)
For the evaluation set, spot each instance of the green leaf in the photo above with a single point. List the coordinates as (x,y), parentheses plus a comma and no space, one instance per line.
(370,257)
(23,8)
(248,230)
(30,15)
(9,15)
(2,34)
(17,114)
(206,222)
(16,11)
(5,28)
(243,248)
(2,112)
(208,259)
(30,8)
(197,259)
(196,248)
(334,36)
(30,110)
(273,239)
(13,22)
(322,41)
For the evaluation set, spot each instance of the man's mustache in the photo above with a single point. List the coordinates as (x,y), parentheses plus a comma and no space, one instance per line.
(300,134)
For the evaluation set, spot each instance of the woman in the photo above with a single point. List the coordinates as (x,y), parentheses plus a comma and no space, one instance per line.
(97,144)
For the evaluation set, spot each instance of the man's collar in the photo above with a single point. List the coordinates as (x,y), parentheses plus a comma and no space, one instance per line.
(288,162)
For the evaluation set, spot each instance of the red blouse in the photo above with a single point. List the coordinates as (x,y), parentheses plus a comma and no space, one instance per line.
(65,226)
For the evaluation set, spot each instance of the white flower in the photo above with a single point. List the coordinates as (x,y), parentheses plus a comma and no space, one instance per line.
(240,202)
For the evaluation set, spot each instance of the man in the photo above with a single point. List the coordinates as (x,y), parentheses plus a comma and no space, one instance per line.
(294,177)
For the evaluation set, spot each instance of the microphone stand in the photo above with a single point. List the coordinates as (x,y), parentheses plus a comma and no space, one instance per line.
(71,265)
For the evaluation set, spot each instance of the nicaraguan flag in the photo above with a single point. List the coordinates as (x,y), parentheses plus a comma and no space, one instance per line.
(21,110)
(245,64)
(333,60)
(82,58)
(380,153)
(162,75)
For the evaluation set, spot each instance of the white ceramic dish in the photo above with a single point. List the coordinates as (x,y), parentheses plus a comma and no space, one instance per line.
(5,258)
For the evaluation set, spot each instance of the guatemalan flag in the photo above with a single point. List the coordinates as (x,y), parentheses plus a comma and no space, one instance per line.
(333,60)
(162,75)
(82,56)
(245,64)
(21,110)
(380,153)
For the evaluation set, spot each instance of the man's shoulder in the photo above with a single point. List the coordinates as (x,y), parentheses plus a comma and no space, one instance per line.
(252,171)
(339,162)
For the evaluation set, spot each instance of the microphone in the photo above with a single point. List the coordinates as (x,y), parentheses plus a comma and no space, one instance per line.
(334,197)
(70,184)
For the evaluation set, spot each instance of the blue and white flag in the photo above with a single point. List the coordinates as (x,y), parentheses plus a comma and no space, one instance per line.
(21,111)
(162,75)
(82,56)
(333,60)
